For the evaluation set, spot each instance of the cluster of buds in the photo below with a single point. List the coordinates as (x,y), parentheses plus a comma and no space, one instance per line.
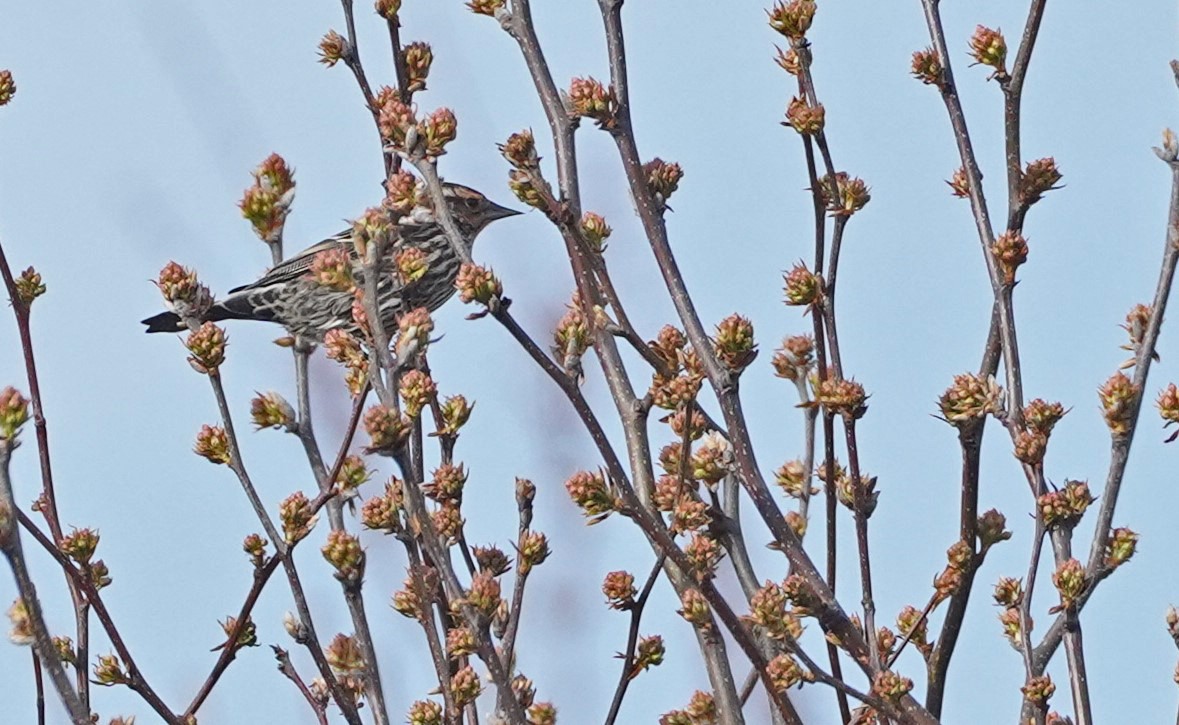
(734,344)
(794,360)
(712,460)
(14,413)
(1030,447)
(21,631)
(108,671)
(619,589)
(769,611)
(1118,395)
(79,545)
(520,151)
(266,203)
(844,195)
(417,57)
(703,553)
(437,130)
(333,48)
(1064,508)
(970,399)
(1010,250)
(1120,546)
(29,286)
(1039,177)
(671,393)
(595,231)
(465,686)
(890,686)
(212,444)
(332,269)
(455,411)
(1070,581)
(446,485)
(255,547)
(484,594)
(247,633)
(387,9)
(991,529)
(959,183)
(383,513)
(858,495)
(686,422)
(1037,690)
(694,608)
(403,192)
(989,47)
(297,518)
(795,479)
(591,494)
(571,338)
(841,397)
(1011,621)
(927,67)
(416,593)
(206,347)
(345,656)
(7,87)
(532,551)
(788,61)
(424,712)
(271,410)
(912,623)
(478,284)
(417,390)
(793,18)
(663,178)
(345,349)
(802,287)
(1136,324)
(343,552)
(353,474)
(802,595)
(589,98)
(492,559)
(182,292)
(460,642)
(386,428)
(785,672)
(959,558)
(485,7)
(413,334)
(804,118)
(523,184)
(1041,416)
(649,653)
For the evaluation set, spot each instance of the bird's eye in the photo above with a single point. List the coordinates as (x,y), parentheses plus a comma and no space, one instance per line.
(471,204)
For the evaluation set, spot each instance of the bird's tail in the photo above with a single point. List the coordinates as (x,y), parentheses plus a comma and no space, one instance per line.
(234,307)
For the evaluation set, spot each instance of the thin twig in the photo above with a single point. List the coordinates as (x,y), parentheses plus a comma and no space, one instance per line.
(42,642)
(288,670)
(632,640)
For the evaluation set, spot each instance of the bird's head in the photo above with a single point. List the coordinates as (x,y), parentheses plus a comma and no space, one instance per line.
(471,210)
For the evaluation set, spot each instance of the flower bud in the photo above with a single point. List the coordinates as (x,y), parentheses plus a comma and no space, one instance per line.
(988,47)
(477,284)
(271,410)
(437,130)
(207,347)
(793,18)
(7,87)
(418,57)
(1117,397)
(927,67)
(14,413)
(333,48)
(29,286)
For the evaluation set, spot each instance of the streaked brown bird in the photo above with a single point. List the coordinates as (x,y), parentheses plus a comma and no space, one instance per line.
(290,295)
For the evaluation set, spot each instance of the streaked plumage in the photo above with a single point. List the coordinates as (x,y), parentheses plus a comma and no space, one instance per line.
(288,295)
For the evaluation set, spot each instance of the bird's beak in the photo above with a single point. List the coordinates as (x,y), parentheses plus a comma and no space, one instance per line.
(501,212)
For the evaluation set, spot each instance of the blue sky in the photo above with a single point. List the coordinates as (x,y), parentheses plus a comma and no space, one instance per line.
(131,137)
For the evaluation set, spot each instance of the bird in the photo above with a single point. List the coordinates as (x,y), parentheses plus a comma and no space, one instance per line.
(289,295)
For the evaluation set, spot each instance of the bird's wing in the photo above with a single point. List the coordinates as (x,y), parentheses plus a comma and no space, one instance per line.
(294,267)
